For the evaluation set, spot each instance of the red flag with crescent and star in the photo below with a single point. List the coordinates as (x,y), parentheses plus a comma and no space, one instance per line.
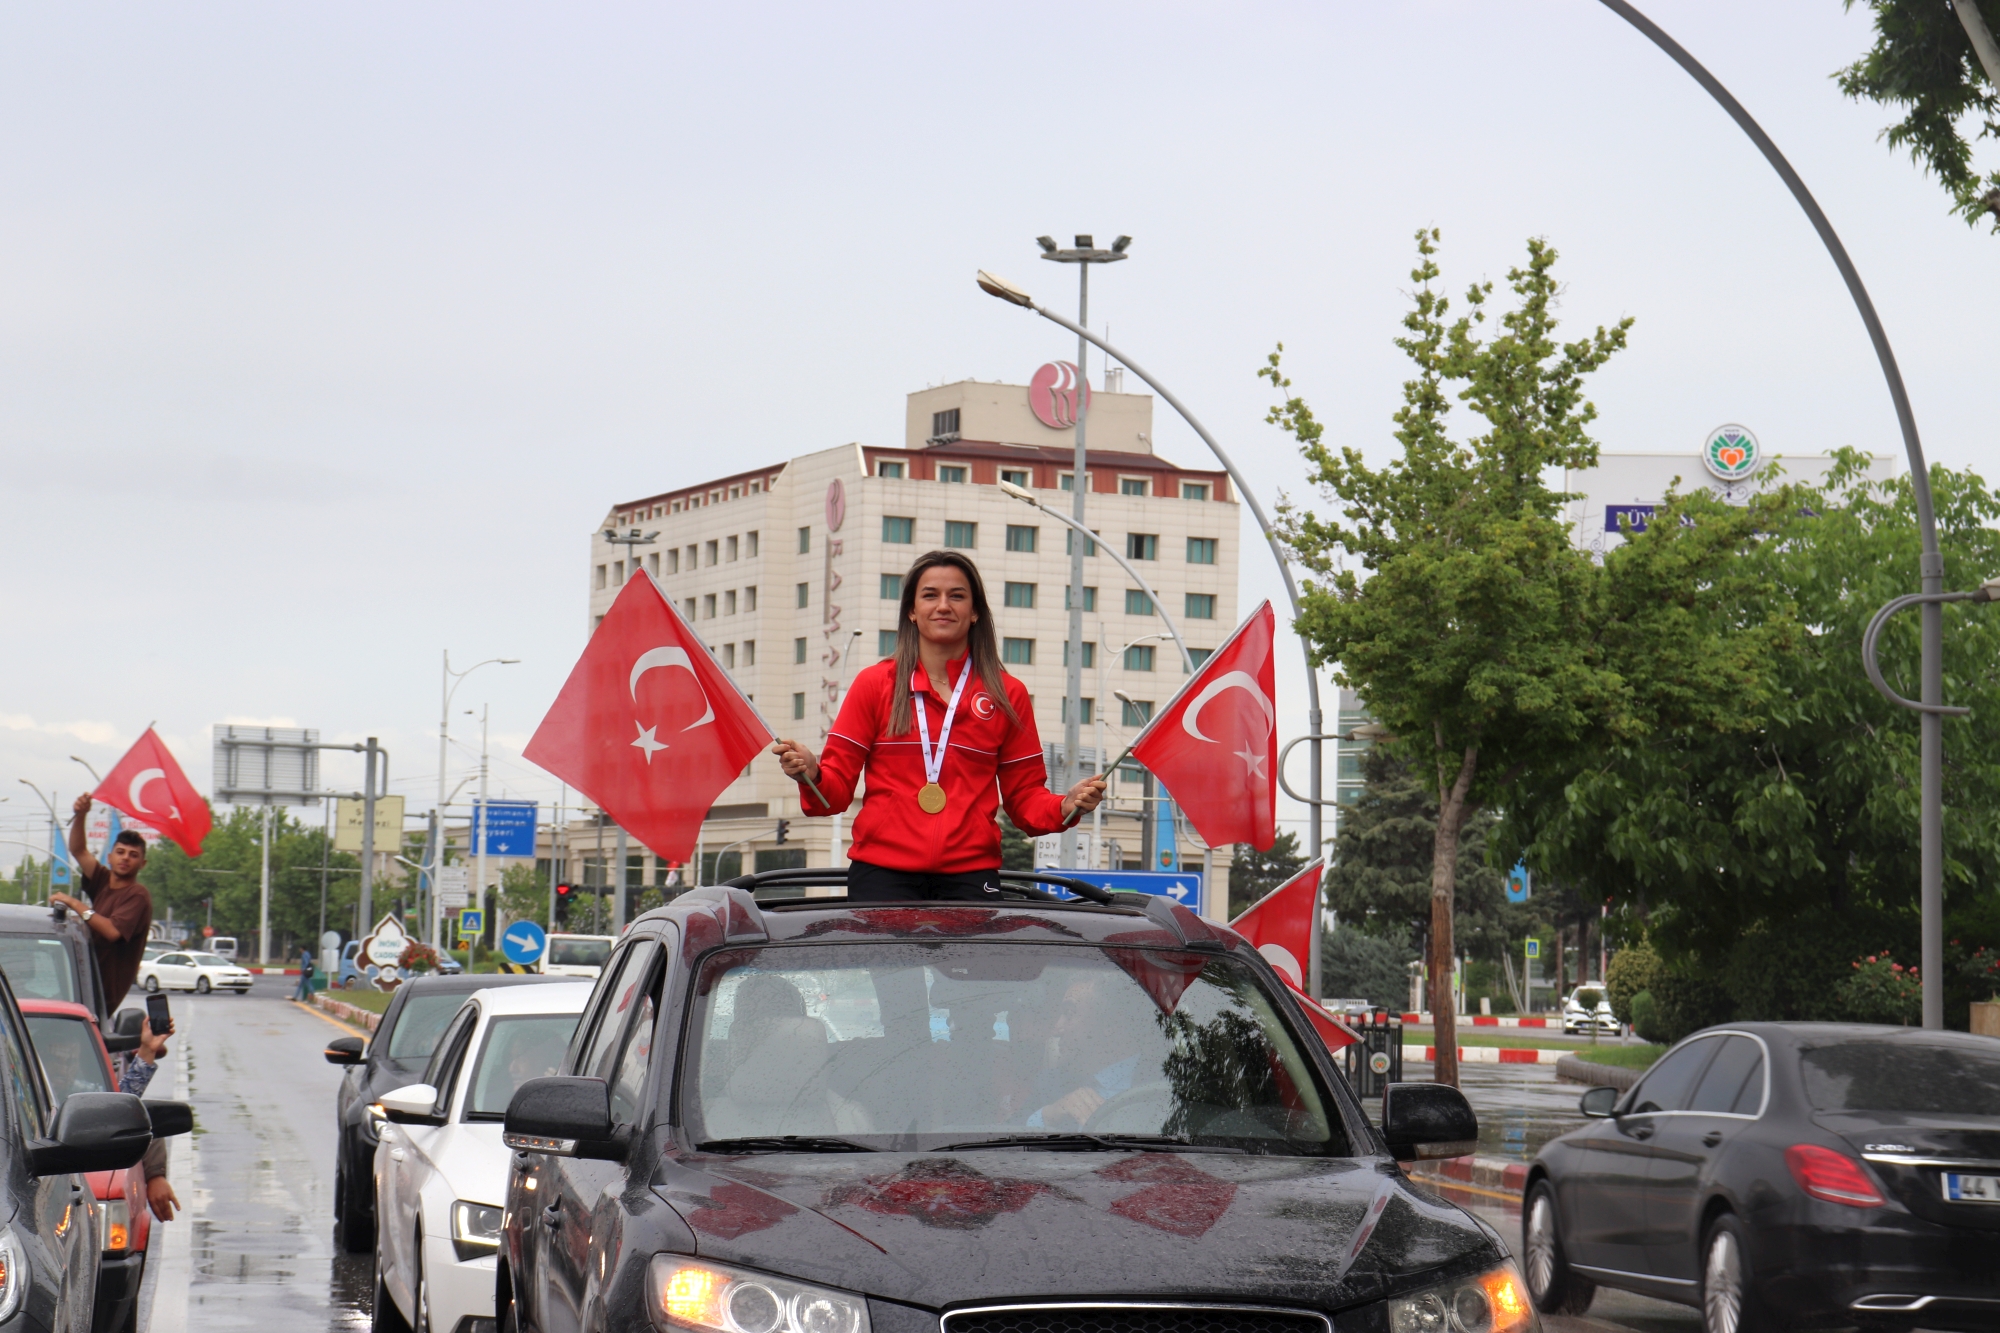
(647,725)
(1280,925)
(1215,744)
(150,787)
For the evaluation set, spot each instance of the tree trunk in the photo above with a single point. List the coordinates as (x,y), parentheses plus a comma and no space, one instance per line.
(1444,877)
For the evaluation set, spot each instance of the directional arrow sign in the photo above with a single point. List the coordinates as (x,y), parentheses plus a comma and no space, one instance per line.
(1183,887)
(523,942)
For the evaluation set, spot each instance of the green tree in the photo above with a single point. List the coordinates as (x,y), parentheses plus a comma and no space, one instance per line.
(1359,966)
(228,875)
(1469,637)
(1924,62)
(524,894)
(1252,873)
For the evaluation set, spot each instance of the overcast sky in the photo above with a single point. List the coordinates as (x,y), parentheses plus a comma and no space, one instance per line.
(330,331)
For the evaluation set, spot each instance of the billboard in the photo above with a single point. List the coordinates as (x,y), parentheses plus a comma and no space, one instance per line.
(348,813)
(266,765)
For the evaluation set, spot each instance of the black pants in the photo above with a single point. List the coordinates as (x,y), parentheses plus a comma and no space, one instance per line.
(878,884)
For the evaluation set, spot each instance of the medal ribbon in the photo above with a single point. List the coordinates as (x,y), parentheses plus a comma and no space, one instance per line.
(934,759)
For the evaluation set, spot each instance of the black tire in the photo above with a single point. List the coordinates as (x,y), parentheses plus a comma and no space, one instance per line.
(386,1318)
(507,1315)
(354,1220)
(201,986)
(1729,1301)
(152,985)
(1553,1285)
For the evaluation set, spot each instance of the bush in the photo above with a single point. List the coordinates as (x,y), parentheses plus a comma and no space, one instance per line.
(1645,1016)
(1881,990)
(1632,970)
(1590,997)
(1354,965)
(417,958)
(1685,1001)
(1793,971)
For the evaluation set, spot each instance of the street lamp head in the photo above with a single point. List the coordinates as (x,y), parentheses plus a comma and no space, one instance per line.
(510,661)
(1048,244)
(1003,289)
(1989,591)
(1020,493)
(1124,698)
(1118,246)
(1084,242)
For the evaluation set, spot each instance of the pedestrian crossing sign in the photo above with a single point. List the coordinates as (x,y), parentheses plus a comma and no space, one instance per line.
(1534,946)
(471,921)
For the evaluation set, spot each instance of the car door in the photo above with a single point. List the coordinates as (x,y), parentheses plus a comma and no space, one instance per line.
(1687,1144)
(55,1212)
(1604,1200)
(399,1166)
(175,971)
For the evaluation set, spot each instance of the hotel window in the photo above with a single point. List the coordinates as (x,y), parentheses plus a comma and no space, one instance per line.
(1139,657)
(754,487)
(898,531)
(944,425)
(1067,481)
(1089,598)
(805,595)
(595,621)
(602,572)
(892,587)
(749,599)
(1193,490)
(674,561)
(729,548)
(653,563)
(1134,486)
(687,608)
(749,652)
(1089,655)
(1017,477)
(1021,595)
(1019,652)
(711,551)
(954,475)
(1201,606)
(798,706)
(799,651)
(884,468)
(1137,603)
(735,492)
(708,606)
(729,602)
(1087,712)
(963,536)
(617,573)
(729,656)
(1142,546)
(1135,713)
(1069,543)
(805,540)
(750,546)
(885,643)
(1201,550)
(1200,655)
(1021,538)
(692,560)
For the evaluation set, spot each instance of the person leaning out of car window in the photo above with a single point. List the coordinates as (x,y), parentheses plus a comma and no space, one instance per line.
(120,911)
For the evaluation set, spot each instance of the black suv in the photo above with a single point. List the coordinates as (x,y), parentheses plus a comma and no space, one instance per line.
(395,1058)
(788,1114)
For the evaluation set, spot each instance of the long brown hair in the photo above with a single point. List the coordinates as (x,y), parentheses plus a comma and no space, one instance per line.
(985,658)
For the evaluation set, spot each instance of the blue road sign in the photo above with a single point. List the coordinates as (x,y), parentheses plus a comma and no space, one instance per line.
(1519,882)
(523,942)
(1183,888)
(471,921)
(510,828)
(1534,949)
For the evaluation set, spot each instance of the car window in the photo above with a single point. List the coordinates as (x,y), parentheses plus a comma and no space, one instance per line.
(1935,1074)
(915,1046)
(70,1058)
(1734,1081)
(578,1057)
(419,1025)
(627,1076)
(209,960)
(20,1078)
(578,953)
(174,959)
(443,1067)
(39,967)
(1671,1081)
(516,1048)
(626,994)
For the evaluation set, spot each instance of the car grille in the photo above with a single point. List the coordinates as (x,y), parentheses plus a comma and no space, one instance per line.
(1161,1318)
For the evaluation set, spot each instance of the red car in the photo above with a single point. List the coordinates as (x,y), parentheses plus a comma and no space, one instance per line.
(74,1058)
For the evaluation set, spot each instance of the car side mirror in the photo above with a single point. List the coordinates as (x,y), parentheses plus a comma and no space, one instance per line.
(170,1118)
(1426,1120)
(564,1117)
(345,1051)
(1598,1103)
(93,1131)
(117,1043)
(411,1105)
(128,1023)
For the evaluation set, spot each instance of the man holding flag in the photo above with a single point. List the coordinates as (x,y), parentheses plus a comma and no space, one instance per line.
(120,911)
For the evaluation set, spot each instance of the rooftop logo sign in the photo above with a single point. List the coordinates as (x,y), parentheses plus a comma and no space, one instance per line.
(1732,453)
(1054,392)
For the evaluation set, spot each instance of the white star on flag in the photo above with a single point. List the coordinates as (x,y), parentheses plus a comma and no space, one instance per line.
(648,742)
(1252,761)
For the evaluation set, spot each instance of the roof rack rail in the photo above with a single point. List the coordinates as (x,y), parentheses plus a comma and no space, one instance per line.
(1023,881)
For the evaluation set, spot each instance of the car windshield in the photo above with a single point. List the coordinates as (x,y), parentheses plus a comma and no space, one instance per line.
(69,1055)
(517,1048)
(1908,1076)
(38,967)
(578,953)
(915,1046)
(420,1025)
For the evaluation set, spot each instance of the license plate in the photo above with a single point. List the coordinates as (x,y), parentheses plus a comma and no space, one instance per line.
(1971,1189)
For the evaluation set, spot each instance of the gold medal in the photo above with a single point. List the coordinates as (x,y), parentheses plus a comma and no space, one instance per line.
(930,798)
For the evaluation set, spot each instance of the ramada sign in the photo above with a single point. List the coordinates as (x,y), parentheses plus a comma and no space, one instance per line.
(1053,392)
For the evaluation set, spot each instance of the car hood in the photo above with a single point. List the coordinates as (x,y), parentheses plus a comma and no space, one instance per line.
(942,1229)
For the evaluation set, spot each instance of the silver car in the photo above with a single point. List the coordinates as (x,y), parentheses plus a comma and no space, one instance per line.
(1579,1017)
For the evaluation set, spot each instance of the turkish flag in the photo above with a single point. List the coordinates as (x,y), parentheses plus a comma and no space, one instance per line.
(150,787)
(1215,745)
(647,725)
(1280,926)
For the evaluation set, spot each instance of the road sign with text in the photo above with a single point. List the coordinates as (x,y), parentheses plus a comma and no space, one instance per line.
(510,828)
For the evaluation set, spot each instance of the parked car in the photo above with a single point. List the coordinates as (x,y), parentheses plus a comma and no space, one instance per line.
(575,955)
(1812,1172)
(1579,1018)
(224,945)
(74,1059)
(198,972)
(810,1116)
(46,955)
(441,1170)
(394,1057)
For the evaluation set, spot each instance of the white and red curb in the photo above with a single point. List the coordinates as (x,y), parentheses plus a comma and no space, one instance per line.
(1489,1055)
(1485,1021)
(1497,1175)
(349,1013)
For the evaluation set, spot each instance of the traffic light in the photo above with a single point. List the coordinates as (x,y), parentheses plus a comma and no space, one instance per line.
(564,893)
(784,828)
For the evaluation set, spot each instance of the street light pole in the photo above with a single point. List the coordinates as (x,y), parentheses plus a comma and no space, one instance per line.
(1083,256)
(479,825)
(447,687)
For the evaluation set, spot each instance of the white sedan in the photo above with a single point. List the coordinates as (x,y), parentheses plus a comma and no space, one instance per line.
(198,972)
(440,1167)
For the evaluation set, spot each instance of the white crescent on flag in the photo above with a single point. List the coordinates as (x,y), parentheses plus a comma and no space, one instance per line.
(1228,680)
(665,657)
(139,782)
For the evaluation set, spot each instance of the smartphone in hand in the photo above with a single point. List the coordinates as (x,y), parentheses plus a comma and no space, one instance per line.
(157,1014)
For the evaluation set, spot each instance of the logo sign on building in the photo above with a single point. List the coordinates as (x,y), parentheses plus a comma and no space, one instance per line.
(348,813)
(1619,517)
(1056,393)
(510,828)
(1732,453)
(454,886)
(1519,882)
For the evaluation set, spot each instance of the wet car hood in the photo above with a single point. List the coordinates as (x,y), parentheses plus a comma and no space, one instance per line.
(937,1230)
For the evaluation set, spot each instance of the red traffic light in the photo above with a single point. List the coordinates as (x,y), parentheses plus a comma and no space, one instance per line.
(562,890)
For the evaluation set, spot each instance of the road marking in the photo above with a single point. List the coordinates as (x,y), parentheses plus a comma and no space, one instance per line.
(169,1261)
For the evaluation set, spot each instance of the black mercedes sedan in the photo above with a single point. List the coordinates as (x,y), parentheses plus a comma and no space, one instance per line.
(396,1056)
(1784,1173)
(797,1115)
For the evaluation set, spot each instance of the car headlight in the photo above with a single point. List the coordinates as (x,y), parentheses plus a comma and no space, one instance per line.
(685,1294)
(1491,1302)
(475,1229)
(372,1120)
(13,1273)
(114,1224)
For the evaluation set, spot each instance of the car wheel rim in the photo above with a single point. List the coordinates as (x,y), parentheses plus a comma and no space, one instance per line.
(1541,1246)
(1722,1285)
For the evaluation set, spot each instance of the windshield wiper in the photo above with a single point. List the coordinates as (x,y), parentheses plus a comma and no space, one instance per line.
(1092,1143)
(782,1143)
